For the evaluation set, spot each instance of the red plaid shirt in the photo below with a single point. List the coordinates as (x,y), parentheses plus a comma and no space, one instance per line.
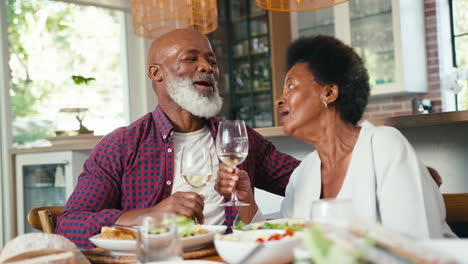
(133,167)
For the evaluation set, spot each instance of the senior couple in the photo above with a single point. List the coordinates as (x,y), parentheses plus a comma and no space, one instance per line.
(133,170)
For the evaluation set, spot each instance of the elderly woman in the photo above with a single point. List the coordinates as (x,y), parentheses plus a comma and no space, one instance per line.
(325,93)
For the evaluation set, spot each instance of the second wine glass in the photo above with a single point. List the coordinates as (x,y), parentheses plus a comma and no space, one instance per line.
(196,167)
(232,146)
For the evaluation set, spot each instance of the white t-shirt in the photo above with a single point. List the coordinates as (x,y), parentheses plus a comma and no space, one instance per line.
(214,214)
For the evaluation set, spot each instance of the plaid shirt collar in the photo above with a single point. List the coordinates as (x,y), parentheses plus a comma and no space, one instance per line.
(165,128)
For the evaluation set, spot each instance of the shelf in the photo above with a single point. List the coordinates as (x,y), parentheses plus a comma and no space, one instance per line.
(253,54)
(435,119)
(251,16)
(72,145)
(261,90)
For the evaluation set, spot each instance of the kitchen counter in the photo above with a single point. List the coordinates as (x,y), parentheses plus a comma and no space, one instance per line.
(435,119)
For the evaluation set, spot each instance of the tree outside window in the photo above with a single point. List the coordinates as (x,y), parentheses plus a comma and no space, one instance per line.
(49,41)
(459,21)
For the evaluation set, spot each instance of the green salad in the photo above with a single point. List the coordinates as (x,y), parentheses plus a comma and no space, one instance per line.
(267,225)
(186,227)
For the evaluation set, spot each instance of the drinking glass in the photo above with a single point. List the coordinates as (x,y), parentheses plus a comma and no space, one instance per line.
(334,212)
(157,239)
(232,146)
(196,166)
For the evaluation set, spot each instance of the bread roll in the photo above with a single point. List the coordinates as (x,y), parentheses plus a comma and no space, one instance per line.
(35,241)
(48,256)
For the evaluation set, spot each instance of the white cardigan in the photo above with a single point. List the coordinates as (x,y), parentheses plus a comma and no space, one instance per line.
(385,181)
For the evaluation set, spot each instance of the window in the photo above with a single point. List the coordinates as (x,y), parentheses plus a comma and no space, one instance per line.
(49,41)
(459,29)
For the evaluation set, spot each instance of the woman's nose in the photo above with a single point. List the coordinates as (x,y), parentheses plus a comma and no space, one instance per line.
(280,101)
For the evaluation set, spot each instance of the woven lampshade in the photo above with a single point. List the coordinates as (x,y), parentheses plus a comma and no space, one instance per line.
(296,5)
(152,18)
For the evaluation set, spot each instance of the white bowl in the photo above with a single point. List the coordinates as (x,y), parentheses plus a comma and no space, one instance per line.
(278,251)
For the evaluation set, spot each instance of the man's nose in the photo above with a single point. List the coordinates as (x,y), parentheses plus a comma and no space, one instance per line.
(204,66)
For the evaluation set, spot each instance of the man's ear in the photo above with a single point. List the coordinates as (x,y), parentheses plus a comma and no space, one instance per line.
(331,93)
(154,72)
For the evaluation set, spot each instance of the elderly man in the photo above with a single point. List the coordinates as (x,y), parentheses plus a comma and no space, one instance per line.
(132,171)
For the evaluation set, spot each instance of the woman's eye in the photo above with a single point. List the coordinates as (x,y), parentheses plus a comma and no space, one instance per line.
(190,59)
(213,62)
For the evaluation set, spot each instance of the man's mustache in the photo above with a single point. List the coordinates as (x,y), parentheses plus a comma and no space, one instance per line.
(205,76)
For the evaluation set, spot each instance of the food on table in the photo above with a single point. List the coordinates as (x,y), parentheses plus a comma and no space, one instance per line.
(117,233)
(186,228)
(276,236)
(366,243)
(41,248)
(282,224)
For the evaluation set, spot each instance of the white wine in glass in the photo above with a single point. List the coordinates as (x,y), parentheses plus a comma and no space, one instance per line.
(232,146)
(196,166)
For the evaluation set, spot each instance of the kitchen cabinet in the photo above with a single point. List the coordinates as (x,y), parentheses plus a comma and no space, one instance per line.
(243,47)
(45,179)
(387,34)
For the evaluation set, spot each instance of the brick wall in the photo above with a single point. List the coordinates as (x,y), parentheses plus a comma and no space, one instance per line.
(388,106)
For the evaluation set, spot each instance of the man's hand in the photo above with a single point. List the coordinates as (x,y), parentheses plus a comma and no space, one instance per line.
(233,179)
(189,204)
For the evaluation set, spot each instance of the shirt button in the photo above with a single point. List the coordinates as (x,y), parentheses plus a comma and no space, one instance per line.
(168,182)
(169,150)
(164,136)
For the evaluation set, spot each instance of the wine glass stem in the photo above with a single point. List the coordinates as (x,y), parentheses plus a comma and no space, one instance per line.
(234,196)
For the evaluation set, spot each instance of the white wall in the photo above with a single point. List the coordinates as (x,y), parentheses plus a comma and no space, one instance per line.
(445,148)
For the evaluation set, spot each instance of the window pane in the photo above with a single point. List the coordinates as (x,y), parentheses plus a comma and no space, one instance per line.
(460,16)
(320,21)
(49,42)
(372,38)
(461,49)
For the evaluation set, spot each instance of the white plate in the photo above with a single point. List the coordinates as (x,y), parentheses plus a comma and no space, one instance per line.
(189,261)
(128,247)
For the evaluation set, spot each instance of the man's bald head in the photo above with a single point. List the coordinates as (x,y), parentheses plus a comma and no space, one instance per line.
(183,70)
(159,46)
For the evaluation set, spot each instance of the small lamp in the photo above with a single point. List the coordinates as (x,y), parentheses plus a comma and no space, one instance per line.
(296,5)
(152,18)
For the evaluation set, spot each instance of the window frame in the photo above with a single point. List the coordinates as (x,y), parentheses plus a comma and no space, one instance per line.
(140,100)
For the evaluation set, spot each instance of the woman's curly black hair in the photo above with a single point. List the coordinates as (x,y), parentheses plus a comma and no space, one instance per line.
(333,62)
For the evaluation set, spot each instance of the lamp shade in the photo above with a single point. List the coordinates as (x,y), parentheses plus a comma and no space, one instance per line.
(296,5)
(152,18)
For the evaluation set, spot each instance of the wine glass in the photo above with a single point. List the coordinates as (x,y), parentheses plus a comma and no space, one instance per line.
(232,146)
(196,166)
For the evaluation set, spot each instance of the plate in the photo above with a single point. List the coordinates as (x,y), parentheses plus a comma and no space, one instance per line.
(289,221)
(128,247)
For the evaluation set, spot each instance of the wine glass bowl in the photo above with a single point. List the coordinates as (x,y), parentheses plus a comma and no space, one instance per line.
(196,166)
(232,146)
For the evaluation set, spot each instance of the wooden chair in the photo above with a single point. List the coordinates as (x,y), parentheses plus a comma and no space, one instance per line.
(44,218)
(456,206)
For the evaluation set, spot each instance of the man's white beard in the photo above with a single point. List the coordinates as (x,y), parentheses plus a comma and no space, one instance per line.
(186,95)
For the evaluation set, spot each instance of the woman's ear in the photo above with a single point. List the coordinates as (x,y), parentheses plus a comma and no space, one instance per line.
(154,72)
(331,93)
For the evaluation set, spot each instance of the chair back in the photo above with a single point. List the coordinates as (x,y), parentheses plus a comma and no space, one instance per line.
(44,218)
(456,206)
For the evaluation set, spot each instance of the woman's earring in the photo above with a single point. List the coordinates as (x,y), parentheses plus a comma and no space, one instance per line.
(325,103)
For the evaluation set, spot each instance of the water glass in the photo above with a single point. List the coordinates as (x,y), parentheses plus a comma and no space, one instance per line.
(334,212)
(158,239)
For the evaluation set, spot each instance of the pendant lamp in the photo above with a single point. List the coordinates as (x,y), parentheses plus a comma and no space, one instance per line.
(296,5)
(152,18)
